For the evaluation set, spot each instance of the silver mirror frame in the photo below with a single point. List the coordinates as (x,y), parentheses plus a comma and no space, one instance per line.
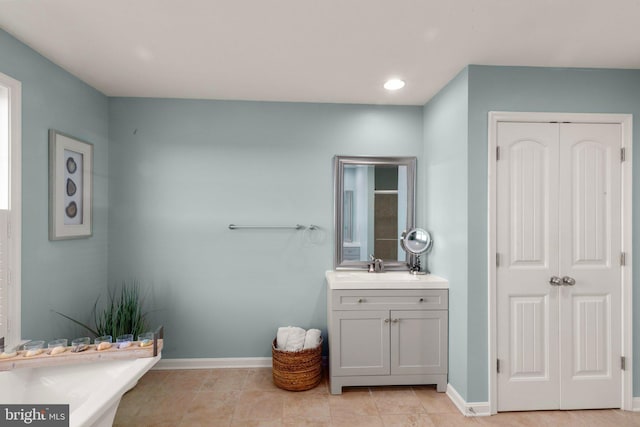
(338,173)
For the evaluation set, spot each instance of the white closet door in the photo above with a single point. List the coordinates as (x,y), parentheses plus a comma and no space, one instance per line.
(559,277)
(527,241)
(590,242)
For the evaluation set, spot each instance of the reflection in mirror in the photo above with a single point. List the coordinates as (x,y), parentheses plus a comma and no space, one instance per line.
(374,200)
(348,216)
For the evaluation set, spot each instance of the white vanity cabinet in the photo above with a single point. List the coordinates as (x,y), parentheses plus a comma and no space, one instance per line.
(387,329)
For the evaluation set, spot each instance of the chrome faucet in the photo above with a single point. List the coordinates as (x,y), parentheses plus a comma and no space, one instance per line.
(376,265)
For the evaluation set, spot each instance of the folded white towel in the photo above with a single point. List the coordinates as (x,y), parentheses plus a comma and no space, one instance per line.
(312,339)
(282,337)
(295,342)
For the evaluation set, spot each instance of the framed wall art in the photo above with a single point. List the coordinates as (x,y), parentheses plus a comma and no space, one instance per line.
(70,187)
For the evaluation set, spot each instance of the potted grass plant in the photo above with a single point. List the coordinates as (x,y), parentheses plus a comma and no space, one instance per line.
(123,313)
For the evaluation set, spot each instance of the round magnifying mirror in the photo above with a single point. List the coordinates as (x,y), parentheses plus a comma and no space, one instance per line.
(416,242)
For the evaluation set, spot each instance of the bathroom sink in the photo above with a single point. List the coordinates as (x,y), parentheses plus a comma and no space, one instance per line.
(387,280)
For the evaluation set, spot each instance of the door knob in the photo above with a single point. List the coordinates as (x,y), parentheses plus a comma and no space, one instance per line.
(555,281)
(568,281)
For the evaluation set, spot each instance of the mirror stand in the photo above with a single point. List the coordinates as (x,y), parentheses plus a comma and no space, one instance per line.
(414,265)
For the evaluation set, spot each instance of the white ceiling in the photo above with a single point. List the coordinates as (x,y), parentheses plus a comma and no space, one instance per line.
(338,51)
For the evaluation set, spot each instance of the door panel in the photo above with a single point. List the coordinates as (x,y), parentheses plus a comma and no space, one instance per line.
(591,316)
(529,337)
(527,244)
(416,338)
(589,203)
(589,253)
(528,192)
(363,348)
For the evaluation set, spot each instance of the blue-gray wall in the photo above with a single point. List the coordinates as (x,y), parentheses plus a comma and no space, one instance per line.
(513,89)
(181,171)
(444,195)
(62,275)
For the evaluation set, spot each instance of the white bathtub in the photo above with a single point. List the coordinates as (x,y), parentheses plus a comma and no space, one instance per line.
(93,390)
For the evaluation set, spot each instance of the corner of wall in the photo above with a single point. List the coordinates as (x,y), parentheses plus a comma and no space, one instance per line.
(446,212)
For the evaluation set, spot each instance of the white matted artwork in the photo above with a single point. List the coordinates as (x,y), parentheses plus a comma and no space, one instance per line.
(70,187)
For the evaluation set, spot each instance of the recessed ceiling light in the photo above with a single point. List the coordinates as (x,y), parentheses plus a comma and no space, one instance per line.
(394,84)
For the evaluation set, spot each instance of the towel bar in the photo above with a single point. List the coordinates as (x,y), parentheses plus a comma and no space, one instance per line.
(294,227)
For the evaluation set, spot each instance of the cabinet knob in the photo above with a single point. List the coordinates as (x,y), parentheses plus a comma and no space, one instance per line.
(386,320)
(395,320)
(421,300)
(360,300)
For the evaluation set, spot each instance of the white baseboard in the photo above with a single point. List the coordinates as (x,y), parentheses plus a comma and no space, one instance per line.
(472,409)
(202,363)
(636,404)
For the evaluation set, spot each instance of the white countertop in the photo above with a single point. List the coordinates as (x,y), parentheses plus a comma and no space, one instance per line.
(346,279)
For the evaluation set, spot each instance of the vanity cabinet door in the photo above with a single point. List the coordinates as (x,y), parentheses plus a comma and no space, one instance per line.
(362,344)
(418,342)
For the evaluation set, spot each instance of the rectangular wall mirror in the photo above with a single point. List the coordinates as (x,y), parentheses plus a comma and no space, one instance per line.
(374,203)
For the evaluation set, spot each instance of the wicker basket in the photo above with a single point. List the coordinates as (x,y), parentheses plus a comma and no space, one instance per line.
(297,370)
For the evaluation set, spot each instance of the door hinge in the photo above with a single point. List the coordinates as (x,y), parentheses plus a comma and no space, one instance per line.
(623,154)
(623,258)
(623,363)
(498,153)
(498,365)
(497,260)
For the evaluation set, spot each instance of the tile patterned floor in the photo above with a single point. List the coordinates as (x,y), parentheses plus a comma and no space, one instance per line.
(248,398)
